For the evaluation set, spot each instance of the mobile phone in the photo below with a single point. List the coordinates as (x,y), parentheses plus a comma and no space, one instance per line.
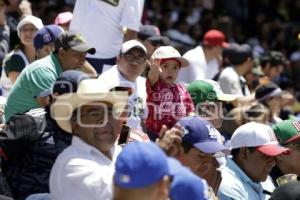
(123,138)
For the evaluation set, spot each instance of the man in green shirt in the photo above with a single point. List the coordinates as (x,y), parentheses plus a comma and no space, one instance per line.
(69,54)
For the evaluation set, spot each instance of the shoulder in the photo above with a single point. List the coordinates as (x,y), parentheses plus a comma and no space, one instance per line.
(14,62)
(228,74)
(113,71)
(231,186)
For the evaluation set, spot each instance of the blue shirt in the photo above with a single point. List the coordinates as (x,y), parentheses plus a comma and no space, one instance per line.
(238,186)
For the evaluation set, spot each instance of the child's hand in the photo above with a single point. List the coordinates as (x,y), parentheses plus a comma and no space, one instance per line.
(155,65)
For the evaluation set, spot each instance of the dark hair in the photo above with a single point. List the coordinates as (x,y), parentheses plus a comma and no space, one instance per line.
(239,54)
(186,146)
(235,152)
(275,58)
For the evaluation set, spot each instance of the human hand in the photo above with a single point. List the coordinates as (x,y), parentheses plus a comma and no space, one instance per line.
(25,8)
(170,140)
(213,178)
(154,65)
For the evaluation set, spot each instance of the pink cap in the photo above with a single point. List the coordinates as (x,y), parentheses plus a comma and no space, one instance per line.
(214,37)
(63,18)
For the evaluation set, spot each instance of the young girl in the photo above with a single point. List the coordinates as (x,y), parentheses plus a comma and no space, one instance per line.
(167,101)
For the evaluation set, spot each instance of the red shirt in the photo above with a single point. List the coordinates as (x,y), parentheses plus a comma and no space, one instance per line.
(166,105)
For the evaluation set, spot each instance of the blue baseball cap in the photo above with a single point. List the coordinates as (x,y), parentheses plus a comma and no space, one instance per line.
(185,184)
(140,164)
(46,35)
(201,134)
(66,82)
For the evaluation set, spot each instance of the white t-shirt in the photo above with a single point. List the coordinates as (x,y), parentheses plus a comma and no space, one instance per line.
(230,82)
(82,172)
(212,69)
(137,100)
(197,67)
(102,23)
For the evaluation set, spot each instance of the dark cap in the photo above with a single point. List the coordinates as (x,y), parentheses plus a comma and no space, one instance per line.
(239,54)
(152,33)
(67,82)
(266,91)
(73,40)
(46,35)
(288,191)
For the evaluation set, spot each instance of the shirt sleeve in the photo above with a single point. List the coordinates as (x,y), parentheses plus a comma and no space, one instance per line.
(230,85)
(40,80)
(188,102)
(14,63)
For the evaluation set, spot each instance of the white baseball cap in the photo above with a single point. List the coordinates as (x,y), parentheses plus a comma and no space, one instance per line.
(30,19)
(257,135)
(127,46)
(168,52)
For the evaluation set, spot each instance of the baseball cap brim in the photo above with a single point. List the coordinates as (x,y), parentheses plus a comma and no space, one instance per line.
(225,45)
(158,38)
(226,97)
(127,46)
(293,139)
(211,147)
(84,48)
(184,62)
(272,149)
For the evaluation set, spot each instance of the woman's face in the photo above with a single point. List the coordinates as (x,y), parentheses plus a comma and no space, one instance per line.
(27,34)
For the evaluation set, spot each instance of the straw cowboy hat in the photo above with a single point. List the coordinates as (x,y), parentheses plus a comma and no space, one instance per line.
(90,90)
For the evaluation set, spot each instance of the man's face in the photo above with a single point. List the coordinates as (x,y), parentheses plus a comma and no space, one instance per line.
(257,165)
(274,72)
(70,59)
(200,163)
(290,162)
(97,125)
(132,64)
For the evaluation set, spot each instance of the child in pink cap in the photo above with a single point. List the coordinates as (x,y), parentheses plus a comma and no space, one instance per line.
(167,101)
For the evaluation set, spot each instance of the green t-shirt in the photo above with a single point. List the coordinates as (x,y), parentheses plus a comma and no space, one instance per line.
(35,78)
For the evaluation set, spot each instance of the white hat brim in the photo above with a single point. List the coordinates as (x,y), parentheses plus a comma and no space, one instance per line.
(63,107)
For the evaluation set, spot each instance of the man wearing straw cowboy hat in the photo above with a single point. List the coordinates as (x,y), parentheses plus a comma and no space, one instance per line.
(93,115)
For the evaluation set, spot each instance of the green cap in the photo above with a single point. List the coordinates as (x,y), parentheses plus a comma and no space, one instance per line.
(287,131)
(208,90)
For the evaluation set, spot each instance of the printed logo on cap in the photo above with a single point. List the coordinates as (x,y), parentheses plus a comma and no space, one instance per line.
(47,38)
(272,135)
(296,125)
(79,37)
(184,131)
(212,132)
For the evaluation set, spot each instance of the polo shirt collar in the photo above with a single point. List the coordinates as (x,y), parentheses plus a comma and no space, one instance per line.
(239,173)
(57,65)
(83,146)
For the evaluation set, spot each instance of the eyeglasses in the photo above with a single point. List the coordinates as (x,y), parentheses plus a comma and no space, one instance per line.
(131,57)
